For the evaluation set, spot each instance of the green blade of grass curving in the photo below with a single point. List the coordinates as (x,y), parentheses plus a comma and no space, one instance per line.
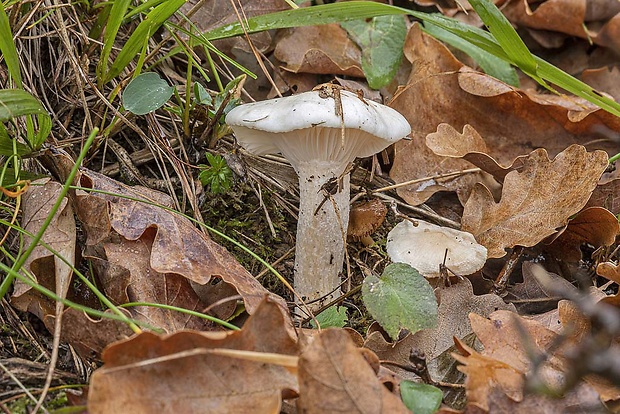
(306,16)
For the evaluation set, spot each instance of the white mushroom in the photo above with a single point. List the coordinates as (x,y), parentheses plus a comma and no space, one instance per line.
(306,129)
(424,246)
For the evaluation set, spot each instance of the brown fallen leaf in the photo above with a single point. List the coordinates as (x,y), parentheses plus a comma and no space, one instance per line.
(607,193)
(569,17)
(511,121)
(323,49)
(151,373)
(610,271)
(49,270)
(593,225)
(535,201)
(448,142)
(531,296)
(485,374)
(335,377)
(512,340)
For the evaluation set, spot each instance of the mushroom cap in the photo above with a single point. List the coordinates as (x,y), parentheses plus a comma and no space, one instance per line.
(310,122)
(365,218)
(423,247)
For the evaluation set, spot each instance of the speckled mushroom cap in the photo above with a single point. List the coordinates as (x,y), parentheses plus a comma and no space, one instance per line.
(305,126)
(424,246)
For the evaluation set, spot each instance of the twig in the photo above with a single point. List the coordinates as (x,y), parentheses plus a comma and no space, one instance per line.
(421,180)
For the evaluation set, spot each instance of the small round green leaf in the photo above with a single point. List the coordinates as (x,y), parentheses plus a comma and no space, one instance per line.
(146,93)
(400,298)
(420,398)
(332,317)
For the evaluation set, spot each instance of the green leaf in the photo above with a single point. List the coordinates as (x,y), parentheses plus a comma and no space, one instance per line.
(146,93)
(201,95)
(420,398)
(400,298)
(332,317)
(6,145)
(490,64)
(381,40)
(17,102)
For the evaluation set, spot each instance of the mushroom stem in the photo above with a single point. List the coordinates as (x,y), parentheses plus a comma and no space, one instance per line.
(319,253)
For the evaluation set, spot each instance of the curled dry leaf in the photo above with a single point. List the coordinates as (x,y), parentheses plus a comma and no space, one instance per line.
(305,49)
(335,376)
(448,142)
(484,375)
(512,122)
(49,270)
(569,17)
(535,201)
(594,225)
(427,246)
(610,271)
(150,373)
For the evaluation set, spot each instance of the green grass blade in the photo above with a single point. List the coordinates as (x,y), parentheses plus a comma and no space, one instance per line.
(7,48)
(143,7)
(115,19)
(154,19)
(490,64)
(565,81)
(505,35)
(202,40)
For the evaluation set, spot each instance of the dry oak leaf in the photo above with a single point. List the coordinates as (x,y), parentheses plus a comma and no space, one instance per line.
(176,373)
(335,377)
(469,145)
(510,339)
(512,121)
(593,225)
(607,193)
(323,49)
(456,302)
(485,374)
(48,269)
(535,201)
(609,270)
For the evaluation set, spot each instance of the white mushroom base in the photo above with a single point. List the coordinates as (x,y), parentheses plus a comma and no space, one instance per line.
(319,252)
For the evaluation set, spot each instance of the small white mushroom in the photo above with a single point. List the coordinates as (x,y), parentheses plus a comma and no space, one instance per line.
(424,246)
(307,129)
